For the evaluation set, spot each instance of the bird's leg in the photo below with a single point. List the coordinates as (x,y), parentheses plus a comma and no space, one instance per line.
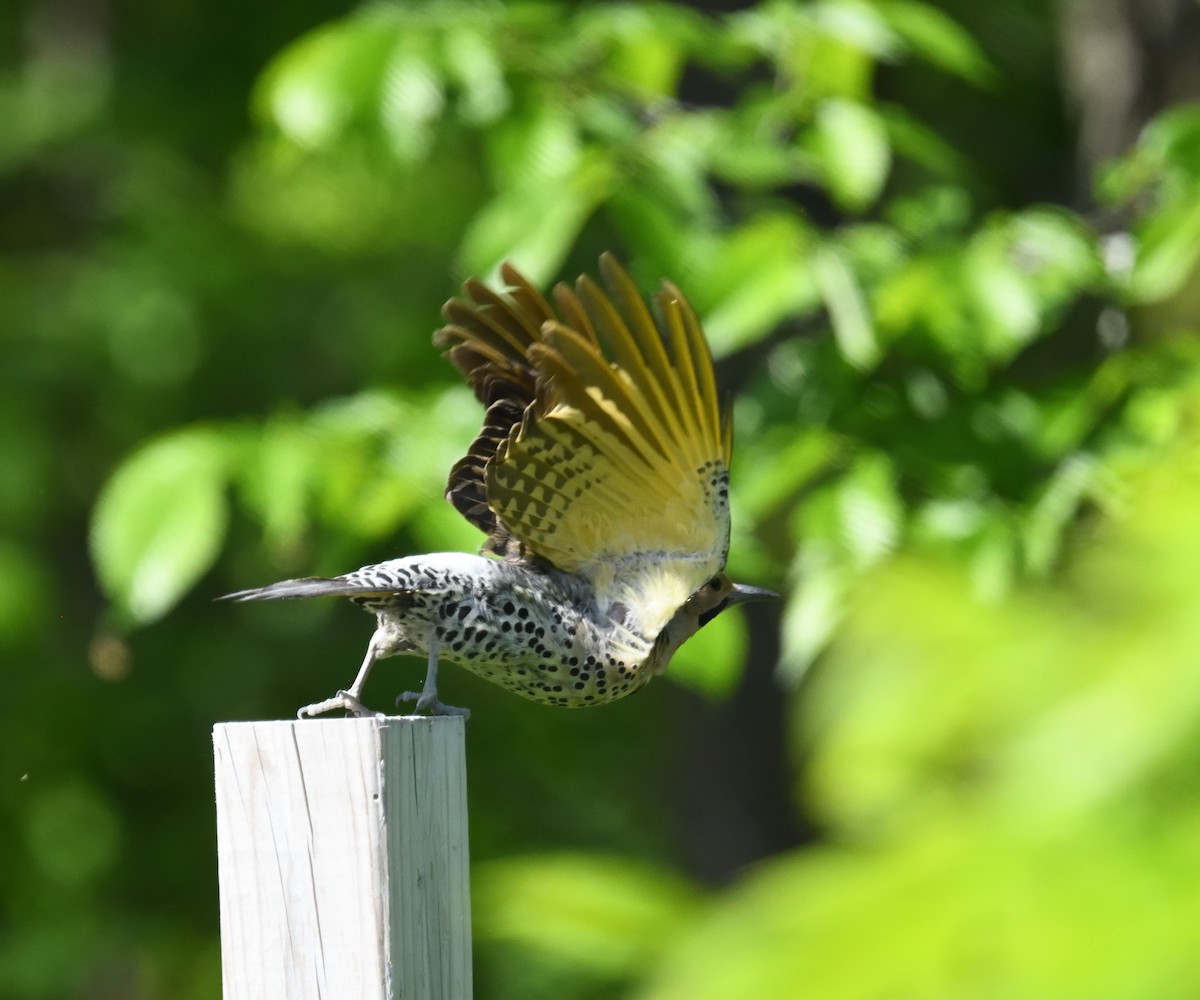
(349,700)
(427,700)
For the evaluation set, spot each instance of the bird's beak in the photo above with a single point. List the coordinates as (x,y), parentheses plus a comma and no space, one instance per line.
(742,593)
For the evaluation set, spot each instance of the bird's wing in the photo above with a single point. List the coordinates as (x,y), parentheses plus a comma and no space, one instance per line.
(489,337)
(604,451)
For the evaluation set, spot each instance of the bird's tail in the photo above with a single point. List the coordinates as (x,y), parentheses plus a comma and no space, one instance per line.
(309,586)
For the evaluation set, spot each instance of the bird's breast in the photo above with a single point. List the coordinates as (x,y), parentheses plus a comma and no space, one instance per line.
(541,641)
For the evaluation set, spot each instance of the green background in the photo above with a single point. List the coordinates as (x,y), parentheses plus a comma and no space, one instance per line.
(946,254)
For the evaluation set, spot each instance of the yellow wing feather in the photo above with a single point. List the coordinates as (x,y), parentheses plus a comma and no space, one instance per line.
(617,467)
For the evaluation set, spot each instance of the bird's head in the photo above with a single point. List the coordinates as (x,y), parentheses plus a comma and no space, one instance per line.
(698,610)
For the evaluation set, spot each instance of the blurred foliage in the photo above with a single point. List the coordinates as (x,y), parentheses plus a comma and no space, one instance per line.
(968,453)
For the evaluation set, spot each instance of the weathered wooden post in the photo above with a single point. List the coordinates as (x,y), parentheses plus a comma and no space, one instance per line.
(342,847)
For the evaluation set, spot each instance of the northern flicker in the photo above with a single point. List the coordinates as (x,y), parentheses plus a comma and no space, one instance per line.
(600,477)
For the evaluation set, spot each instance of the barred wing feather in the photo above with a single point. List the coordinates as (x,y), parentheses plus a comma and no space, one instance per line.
(604,451)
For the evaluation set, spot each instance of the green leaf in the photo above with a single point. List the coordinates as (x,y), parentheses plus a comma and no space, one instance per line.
(817,597)
(549,184)
(929,213)
(921,292)
(472,64)
(605,914)
(160,521)
(870,510)
(857,25)
(383,457)
(411,97)
(1174,137)
(278,482)
(1063,255)
(937,38)
(1055,510)
(1003,296)
(535,229)
(994,559)
(533,147)
(644,41)
(660,233)
(676,155)
(1168,251)
(923,145)
(852,145)
(1167,155)
(757,279)
(773,468)
(326,80)
(852,324)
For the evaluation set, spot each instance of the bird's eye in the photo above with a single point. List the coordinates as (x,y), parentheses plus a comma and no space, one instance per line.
(715,583)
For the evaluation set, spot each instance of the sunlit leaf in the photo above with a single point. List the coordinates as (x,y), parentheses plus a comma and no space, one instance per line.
(160,522)
(1055,510)
(473,64)
(677,154)
(773,468)
(745,149)
(994,560)
(1005,302)
(858,24)
(1168,249)
(1173,138)
(534,147)
(852,323)
(1166,156)
(600,913)
(757,278)
(820,582)
(920,293)
(411,96)
(1057,250)
(898,919)
(852,145)
(869,509)
(534,229)
(384,457)
(646,43)
(326,80)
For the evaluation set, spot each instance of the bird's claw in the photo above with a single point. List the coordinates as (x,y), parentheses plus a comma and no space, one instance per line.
(342,700)
(427,701)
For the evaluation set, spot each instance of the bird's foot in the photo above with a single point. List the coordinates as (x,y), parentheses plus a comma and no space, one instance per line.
(427,701)
(343,700)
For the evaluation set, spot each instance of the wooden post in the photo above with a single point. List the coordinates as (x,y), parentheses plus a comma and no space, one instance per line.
(342,847)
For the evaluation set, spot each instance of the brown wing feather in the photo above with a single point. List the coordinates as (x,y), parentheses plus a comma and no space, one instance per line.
(487,337)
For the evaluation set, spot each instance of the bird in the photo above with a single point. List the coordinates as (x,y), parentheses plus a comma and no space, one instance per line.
(600,478)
